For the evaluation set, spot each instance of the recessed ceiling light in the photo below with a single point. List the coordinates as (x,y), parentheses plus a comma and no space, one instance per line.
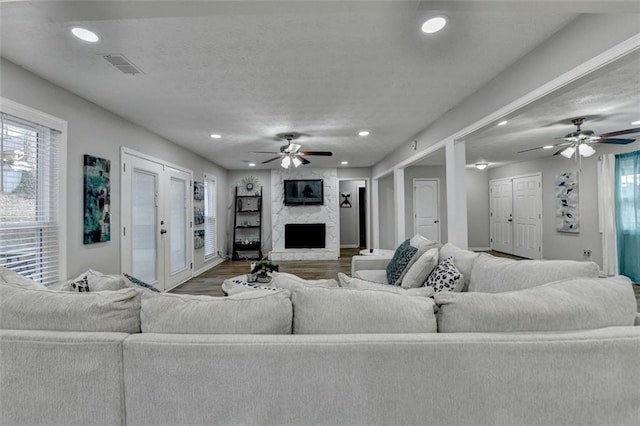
(481,166)
(85,34)
(635,123)
(548,146)
(252,164)
(502,123)
(344,162)
(363,133)
(434,24)
(215,136)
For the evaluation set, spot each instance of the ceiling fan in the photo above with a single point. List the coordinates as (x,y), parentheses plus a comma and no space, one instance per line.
(579,142)
(290,153)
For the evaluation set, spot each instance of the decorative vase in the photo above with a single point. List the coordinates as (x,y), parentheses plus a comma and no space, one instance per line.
(264,278)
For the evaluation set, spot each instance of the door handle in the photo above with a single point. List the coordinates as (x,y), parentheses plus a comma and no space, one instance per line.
(509,220)
(436,221)
(163,231)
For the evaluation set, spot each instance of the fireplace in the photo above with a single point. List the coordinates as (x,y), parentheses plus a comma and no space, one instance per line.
(304,235)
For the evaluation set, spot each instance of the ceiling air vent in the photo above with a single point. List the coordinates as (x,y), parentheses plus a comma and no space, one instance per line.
(122,63)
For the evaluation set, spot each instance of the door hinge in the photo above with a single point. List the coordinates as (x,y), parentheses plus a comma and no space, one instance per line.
(539,216)
(491,239)
(191,265)
(124,231)
(191,224)
(491,214)
(124,167)
(540,249)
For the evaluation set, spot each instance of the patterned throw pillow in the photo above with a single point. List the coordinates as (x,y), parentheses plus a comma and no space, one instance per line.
(398,264)
(445,277)
(80,285)
(139,283)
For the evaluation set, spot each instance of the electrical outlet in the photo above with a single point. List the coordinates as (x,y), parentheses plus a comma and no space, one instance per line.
(586,254)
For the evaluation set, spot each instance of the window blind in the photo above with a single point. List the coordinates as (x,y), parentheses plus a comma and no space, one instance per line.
(209,218)
(29,222)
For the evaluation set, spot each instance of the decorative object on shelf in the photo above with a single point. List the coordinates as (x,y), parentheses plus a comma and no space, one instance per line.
(262,271)
(567,203)
(249,185)
(345,200)
(97,200)
(198,190)
(198,239)
(198,215)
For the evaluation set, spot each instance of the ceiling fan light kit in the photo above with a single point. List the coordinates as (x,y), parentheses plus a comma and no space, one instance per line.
(481,166)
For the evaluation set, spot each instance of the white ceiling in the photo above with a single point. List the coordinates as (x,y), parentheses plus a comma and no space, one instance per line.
(251,69)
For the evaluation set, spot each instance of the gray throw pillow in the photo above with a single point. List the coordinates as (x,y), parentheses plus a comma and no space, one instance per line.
(399,263)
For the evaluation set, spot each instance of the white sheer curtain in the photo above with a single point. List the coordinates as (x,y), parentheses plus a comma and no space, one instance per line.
(606,213)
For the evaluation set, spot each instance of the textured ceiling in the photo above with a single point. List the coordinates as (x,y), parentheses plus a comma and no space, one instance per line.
(251,69)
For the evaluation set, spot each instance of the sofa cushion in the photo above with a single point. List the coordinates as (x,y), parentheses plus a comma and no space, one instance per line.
(463,259)
(574,304)
(255,312)
(417,273)
(348,282)
(345,311)
(42,309)
(496,274)
(378,276)
(445,277)
(399,263)
(7,276)
(94,281)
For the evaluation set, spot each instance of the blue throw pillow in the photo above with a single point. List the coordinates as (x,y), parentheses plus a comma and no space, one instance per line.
(401,258)
(139,283)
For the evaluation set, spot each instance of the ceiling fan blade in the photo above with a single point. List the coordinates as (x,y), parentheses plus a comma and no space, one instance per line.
(324,153)
(270,160)
(530,149)
(304,160)
(263,152)
(621,132)
(615,140)
(541,147)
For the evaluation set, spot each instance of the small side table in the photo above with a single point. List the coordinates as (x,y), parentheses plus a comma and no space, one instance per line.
(377,252)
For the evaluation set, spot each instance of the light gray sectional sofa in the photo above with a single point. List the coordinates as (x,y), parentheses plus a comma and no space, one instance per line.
(554,353)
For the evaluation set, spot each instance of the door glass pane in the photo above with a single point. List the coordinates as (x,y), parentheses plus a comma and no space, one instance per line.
(178,224)
(144,217)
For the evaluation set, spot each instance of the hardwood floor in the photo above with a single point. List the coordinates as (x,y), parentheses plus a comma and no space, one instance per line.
(210,282)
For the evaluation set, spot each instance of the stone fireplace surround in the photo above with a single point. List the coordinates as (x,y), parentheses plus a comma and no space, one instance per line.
(327,213)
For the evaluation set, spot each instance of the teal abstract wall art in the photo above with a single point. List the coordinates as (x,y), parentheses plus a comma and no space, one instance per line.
(97,200)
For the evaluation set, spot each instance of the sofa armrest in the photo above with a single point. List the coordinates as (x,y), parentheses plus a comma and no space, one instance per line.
(359,263)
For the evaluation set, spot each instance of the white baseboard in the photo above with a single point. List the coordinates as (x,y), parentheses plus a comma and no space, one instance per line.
(479,248)
(208,266)
(349,246)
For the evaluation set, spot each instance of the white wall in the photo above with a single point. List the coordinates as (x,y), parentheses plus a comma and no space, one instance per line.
(478,208)
(386,213)
(559,245)
(432,172)
(264,178)
(96,131)
(349,222)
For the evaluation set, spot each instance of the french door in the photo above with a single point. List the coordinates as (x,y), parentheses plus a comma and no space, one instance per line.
(516,216)
(156,224)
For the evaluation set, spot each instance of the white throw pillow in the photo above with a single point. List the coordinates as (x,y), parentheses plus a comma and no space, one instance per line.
(445,277)
(238,284)
(291,281)
(420,270)
(7,276)
(348,282)
(255,312)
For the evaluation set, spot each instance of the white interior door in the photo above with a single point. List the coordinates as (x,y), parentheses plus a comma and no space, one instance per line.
(527,217)
(426,209)
(156,224)
(501,199)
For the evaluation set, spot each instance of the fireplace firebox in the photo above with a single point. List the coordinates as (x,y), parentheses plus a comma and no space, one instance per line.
(304,235)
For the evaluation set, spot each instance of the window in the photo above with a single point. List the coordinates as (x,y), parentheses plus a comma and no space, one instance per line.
(210,242)
(628,214)
(31,197)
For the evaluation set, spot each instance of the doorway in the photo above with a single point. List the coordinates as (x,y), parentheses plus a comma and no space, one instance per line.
(426,208)
(156,220)
(516,215)
(353,213)
(362,216)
